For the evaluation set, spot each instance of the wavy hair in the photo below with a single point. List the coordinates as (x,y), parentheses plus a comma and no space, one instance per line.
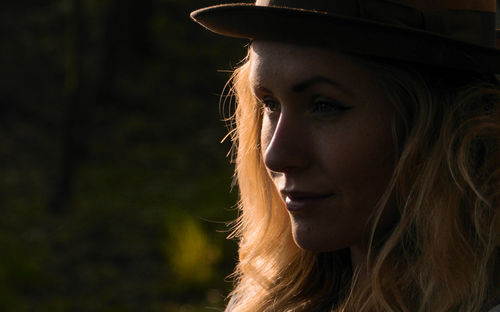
(442,255)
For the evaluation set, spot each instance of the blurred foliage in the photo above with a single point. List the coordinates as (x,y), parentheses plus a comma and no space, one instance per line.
(115,192)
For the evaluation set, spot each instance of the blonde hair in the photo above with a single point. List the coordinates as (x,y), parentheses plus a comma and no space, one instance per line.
(443,252)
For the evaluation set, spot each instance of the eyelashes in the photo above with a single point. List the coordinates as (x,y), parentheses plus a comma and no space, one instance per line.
(324,105)
(317,104)
(270,105)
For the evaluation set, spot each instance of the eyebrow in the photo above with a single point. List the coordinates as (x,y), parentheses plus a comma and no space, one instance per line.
(300,87)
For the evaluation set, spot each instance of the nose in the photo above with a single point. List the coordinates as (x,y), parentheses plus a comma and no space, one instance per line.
(286,149)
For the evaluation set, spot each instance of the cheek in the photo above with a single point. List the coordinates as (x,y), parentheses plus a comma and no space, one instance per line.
(361,163)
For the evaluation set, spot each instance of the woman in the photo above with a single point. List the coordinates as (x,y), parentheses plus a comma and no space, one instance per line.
(367,136)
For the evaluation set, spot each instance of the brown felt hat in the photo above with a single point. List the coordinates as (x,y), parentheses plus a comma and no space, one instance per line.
(459,34)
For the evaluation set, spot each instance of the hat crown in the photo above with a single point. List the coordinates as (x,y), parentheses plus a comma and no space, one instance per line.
(339,7)
(466,20)
(468,5)
(433,5)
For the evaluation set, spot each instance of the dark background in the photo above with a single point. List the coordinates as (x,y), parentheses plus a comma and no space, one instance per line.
(114,189)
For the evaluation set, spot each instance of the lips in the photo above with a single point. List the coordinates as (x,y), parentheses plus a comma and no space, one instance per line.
(298,201)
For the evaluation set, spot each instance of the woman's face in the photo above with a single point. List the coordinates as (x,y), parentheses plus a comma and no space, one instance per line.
(326,139)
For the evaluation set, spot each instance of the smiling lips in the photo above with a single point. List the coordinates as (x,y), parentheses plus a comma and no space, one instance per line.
(297,201)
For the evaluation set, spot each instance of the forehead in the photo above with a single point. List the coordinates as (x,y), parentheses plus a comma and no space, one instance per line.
(268,56)
(260,48)
(275,62)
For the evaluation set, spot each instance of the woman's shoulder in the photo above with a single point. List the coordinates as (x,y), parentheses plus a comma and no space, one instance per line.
(495,308)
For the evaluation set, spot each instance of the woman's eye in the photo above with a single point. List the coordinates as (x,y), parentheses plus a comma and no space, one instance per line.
(325,105)
(270,105)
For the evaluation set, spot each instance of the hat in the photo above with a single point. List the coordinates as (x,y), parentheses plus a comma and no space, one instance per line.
(458,34)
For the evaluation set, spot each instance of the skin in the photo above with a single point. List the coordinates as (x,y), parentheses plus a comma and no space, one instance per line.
(327,143)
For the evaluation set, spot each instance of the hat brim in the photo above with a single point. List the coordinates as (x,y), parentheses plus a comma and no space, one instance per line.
(349,34)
